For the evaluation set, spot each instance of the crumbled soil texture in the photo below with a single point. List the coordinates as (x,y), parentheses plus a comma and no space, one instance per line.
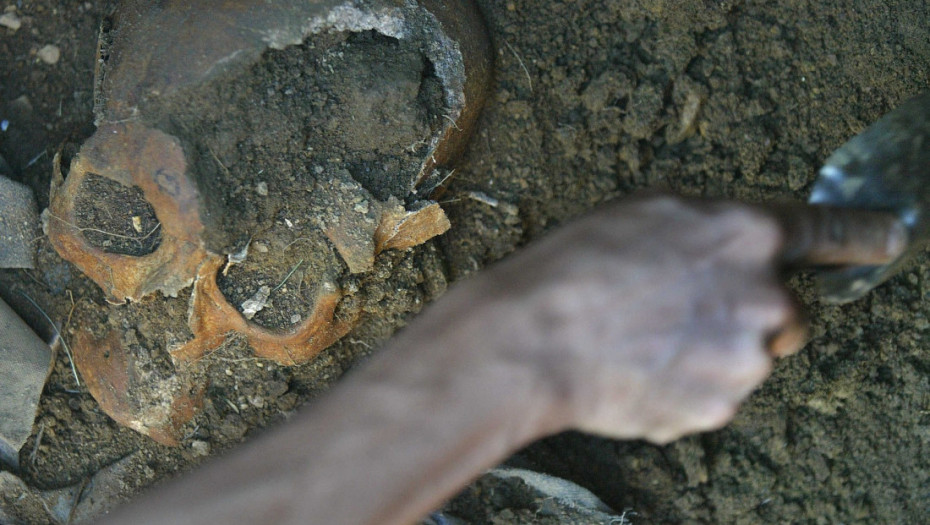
(272,144)
(593,99)
(263,142)
(304,261)
(116,218)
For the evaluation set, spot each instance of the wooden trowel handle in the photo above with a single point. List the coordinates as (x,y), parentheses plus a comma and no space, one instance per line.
(817,235)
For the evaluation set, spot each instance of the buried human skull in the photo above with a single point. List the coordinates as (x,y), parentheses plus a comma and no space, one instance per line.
(281,158)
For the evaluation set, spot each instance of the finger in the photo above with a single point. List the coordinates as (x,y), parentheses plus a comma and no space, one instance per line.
(827,235)
(712,415)
(679,422)
(767,306)
(720,363)
(790,338)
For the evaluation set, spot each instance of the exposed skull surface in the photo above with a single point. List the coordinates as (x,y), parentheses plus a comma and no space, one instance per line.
(253,216)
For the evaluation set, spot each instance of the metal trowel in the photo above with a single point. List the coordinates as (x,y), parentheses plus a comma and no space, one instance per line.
(886,168)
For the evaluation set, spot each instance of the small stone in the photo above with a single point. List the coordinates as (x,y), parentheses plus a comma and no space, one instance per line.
(200,448)
(19,224)
(49,54)
(276,389)
(260,247)
(257,303)
(11,21)
(262,188)
(295,319)
(287,402)
(25,368)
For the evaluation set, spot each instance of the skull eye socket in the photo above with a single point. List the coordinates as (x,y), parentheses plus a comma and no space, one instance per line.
(115,218)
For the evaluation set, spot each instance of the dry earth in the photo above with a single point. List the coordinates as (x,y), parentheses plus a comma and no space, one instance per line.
(592,100)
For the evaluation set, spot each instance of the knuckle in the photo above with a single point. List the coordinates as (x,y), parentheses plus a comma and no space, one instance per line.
(756,230)
(718,414)
(711,414)
(788,340)
(663,204)
(748,364)
(768,309)
(663,200)
(753,375)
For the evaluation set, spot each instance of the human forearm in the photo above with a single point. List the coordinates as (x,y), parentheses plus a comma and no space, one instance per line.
(642,320)
(388,444)
(420,421)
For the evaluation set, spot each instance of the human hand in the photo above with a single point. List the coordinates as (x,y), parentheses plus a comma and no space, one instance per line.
(656,317)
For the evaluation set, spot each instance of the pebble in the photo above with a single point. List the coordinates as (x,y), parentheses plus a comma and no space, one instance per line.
(49,54)
(257,401)
(262,189)
(200,448)
(11,21)
(256,303)
(276,389)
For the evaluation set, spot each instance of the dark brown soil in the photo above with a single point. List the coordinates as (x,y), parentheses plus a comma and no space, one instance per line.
(116,218)
(290,264)
(593,99)
(270,142)
(300,128)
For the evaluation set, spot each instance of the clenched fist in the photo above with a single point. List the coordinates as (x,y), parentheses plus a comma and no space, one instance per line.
(650,318)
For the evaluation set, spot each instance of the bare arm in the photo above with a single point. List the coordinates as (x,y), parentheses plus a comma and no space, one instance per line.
(643,320)
(432,410)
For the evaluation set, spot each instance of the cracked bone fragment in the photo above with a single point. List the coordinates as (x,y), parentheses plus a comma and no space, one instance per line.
(401,229)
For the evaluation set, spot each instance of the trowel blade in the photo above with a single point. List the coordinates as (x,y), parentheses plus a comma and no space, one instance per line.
(884,168)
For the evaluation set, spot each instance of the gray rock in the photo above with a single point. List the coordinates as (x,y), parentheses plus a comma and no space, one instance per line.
(18,225)
(25,362)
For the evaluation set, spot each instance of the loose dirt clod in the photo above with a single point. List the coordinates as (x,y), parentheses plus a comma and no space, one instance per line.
(49,54)
(10,21)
